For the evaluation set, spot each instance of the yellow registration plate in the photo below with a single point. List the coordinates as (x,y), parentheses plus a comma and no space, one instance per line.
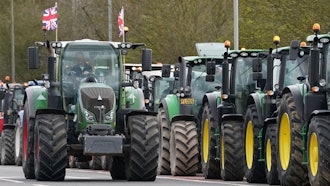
(187,101)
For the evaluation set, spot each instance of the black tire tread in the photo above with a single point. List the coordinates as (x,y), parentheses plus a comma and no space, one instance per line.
(234,167)
(52,147)
(184,148)
(211,169)
(164,143)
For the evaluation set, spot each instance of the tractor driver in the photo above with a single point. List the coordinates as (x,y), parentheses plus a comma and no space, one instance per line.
(82,68)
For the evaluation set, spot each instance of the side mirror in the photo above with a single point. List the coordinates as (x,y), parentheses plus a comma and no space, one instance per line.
(33,53)
(166,70)
(294,49)
(210,67)
(256,65)
(146,59)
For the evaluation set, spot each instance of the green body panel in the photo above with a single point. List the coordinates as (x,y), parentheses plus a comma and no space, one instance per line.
(173,105)
(40,97)
(134,98)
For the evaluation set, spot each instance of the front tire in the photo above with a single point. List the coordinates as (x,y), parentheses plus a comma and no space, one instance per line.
(231,150)
(7,146)
(50,158)
(318,152)
(210,165)
(289,144)
(143,154)
(255,172)
(28,144)
(270,155)
(184,148)
(164,143)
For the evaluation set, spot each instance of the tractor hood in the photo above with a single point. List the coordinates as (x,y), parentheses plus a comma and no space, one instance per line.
(96,98)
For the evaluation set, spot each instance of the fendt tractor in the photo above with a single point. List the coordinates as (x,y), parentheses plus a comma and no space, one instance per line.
(260,118)
(96,114)
(303,121)
(223,114)
(12,106)
(179,114)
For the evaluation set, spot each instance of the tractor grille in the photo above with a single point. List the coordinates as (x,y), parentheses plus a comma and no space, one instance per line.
(93,97)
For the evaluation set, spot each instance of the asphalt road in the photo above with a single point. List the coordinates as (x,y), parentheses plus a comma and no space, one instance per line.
(13,176)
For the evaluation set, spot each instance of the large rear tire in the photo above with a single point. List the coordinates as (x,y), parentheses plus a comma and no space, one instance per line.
(143,154)
(28,144)
(318,151)
(164,143)
(270,155)
(231,151)
(50,158)
(210,165)
(184,148)
(18,143)
(7,146)
(255,169)
(290,144)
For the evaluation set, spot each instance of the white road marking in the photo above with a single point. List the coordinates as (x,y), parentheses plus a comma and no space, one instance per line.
(10,180)
(202,181)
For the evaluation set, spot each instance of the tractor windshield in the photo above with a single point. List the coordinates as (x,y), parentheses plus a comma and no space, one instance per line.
(294,69)
(198,84)
(98,62)
(244,83)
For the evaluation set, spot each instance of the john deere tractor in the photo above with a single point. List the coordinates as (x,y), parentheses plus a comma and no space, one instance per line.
(179,114)
(303,121)
(260,119)
(98,114)
(223,115)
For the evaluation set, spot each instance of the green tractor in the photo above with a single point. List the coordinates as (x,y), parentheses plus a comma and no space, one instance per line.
(12,107)
(303,121)
(94,115)
(260,118)
(223,115)
(179,114)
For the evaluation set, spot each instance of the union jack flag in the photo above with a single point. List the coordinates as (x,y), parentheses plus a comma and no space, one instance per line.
(49,19)
(121,22)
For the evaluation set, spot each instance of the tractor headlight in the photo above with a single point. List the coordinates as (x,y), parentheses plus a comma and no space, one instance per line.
(89,117)
(108,117)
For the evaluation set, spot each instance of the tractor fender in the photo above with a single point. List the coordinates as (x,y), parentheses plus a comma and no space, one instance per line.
(135,98)
(232,117)
(213,99)
(297,92)
(171,105)
(37,98)
(184,117)
(255,99)
(318,113)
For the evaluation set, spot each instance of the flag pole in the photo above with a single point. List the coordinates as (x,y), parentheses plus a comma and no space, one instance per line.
(57,22)
(123,23)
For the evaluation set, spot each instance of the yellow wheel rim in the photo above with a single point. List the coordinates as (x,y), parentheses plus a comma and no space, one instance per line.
(313,154)
(222,153)
(206,140)
(268,155)
(285,141)
(249,143)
